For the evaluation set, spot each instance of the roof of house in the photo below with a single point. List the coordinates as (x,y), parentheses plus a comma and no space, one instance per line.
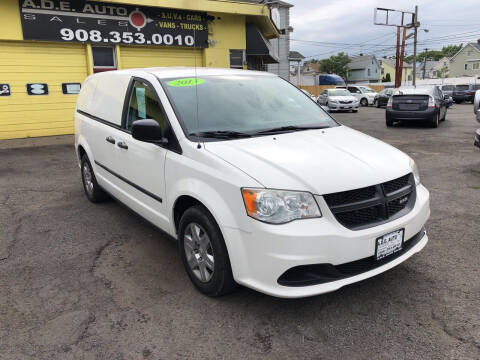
(391,62)
(360,62)
(475,45)
(295,55)
(429,65)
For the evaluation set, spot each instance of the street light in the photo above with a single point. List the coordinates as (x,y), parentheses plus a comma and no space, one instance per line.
(413,34)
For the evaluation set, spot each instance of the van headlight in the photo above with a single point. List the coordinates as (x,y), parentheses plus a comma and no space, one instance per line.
(416,174)
(279,206)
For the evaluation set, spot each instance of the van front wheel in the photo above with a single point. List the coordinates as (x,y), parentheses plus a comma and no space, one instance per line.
(204,253)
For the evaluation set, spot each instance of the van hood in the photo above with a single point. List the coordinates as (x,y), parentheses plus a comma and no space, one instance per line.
(319,161)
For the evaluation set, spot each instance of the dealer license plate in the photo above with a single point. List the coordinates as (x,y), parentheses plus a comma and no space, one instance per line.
(389,244)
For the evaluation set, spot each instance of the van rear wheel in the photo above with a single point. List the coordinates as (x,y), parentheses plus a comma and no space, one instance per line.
(204,253)
(93,191)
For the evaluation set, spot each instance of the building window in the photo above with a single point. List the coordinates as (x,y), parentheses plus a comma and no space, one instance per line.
(476,66)
(383,71)
(469,53)
(103,58)
(368,71)
(466,66)
(236,59)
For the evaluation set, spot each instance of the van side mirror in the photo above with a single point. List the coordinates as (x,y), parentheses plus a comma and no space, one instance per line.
(148,130)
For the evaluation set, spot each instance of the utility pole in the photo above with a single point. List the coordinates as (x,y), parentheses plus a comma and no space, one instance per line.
(416,24)
(425,63)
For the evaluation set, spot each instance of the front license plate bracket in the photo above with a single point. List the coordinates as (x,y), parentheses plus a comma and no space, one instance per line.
(389,244)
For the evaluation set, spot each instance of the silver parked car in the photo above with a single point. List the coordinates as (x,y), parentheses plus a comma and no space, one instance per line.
(338,99)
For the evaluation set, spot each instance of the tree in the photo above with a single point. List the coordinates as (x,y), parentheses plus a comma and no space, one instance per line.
(451,50)
(335,64)
(387,78)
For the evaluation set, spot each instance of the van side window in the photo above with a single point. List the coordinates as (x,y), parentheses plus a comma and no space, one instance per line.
(143,104)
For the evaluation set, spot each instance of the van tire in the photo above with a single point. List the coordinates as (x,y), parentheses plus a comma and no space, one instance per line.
(389,122)
(364,102)
(90,185)
(221,281)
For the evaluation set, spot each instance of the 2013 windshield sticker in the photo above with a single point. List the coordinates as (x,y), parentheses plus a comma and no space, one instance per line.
(185,82)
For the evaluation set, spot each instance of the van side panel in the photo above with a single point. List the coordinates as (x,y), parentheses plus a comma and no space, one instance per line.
(109,96)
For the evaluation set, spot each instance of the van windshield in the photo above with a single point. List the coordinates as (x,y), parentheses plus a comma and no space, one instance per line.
(242,104)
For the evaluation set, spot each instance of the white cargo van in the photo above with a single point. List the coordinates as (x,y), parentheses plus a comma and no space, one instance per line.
(259,185)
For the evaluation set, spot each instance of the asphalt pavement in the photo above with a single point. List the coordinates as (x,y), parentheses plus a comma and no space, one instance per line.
(85,281)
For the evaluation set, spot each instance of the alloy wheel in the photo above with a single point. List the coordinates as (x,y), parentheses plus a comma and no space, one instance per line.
(199,252)
(87,178)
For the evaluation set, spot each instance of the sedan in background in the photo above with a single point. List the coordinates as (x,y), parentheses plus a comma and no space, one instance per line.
(338,99)
(381,99)
(410,103)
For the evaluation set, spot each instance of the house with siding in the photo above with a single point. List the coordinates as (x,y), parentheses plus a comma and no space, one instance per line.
(441,68)
(466,62)
(388,67)
(425,69)
(280,46)
(363,69)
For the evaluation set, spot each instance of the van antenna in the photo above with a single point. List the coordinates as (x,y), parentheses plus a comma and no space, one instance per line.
(199,146)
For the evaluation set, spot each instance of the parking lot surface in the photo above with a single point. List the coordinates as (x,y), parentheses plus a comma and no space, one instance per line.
(85,281)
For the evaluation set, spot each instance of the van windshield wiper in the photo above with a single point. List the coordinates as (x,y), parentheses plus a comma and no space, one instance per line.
(221,134)
(289,128)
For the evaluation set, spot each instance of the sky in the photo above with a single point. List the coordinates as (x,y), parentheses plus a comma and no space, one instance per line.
(324,28)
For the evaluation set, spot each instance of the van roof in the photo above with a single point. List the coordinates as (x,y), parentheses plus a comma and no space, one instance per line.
(169,72)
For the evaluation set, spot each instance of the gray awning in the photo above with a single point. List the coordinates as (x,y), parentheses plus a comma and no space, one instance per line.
(257,45)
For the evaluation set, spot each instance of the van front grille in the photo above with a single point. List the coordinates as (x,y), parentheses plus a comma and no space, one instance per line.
(373,205)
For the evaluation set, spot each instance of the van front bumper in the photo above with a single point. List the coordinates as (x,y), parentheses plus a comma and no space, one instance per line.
(261,256)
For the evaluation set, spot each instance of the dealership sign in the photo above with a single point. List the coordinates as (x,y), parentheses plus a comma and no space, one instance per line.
(102,23)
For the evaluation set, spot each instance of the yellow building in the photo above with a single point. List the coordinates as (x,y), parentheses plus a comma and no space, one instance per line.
(388,67)
(48,47)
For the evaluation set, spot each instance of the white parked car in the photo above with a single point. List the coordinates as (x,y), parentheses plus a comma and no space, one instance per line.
(338,99)
(257,183)
(364,94)
(310,95)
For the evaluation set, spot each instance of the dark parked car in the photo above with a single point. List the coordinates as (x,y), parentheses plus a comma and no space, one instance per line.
(464,92)
(381,99)
(417,103)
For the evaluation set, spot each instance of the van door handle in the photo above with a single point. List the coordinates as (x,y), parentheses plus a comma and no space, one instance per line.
(110,139)
(122,145)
